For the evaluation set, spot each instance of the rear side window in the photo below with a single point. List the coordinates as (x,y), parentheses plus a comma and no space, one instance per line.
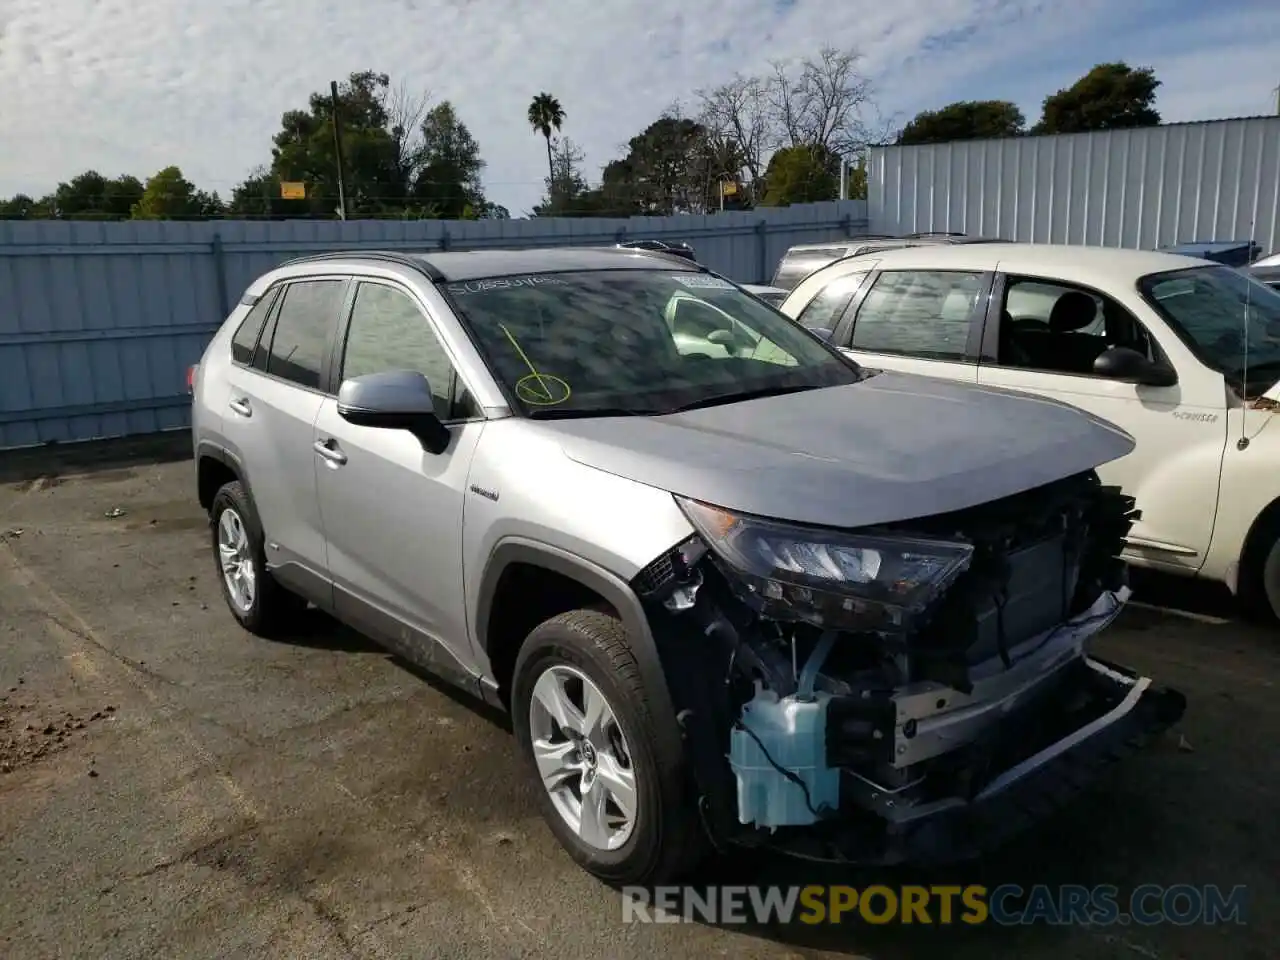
(246,337)
(826,309)
(303,327)
(918,313)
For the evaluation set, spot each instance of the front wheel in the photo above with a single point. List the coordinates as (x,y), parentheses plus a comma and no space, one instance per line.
(587,731)
(1260,575)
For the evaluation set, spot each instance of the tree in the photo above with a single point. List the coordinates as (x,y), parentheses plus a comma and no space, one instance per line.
(821,103)
(449,179)
(401,158)
(22,207)
(567,189)
(964,120)
(802,174)
(818,101)
(661,167)
(376,180)
(1111,96)
(857,174)
(169,195)
(738,120)
(91,196)
(546,115)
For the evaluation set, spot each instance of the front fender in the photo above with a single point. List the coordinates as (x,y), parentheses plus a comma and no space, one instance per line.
(609,586)
(1247,490)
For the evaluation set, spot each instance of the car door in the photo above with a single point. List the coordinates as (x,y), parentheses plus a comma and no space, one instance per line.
(393,511)
(1043,335)
(272,404)
(925,322)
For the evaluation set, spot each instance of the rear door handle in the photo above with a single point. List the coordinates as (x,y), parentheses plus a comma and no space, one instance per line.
(240,406)
(328,450)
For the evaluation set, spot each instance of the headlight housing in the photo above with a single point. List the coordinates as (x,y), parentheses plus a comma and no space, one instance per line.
(831,578)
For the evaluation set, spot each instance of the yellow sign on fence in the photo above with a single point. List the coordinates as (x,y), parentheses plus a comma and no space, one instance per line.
(293,190)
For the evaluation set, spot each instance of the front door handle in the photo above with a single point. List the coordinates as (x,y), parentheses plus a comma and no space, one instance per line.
(240,406)
(329,450)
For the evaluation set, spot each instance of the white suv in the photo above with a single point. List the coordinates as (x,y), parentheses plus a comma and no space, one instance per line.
(1153,342)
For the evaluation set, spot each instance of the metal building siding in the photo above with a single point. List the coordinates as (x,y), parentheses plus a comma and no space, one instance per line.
(99,321)
(1216,180)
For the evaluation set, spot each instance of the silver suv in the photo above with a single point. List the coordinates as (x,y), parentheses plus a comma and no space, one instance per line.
(761,596)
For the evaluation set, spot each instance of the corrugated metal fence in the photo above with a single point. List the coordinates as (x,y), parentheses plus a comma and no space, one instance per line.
(1217,180)
(99,321)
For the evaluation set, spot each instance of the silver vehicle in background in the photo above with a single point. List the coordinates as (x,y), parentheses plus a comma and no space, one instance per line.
(803,259)
(758,597)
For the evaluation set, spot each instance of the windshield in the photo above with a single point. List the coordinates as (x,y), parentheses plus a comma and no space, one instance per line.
(637,341)
(1211,308)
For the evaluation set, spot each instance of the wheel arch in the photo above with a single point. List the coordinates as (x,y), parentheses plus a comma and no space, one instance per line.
(517,553)
(1265,524)
(216,466)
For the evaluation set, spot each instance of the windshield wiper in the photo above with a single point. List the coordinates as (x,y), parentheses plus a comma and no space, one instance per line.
(586,412)
(723,398)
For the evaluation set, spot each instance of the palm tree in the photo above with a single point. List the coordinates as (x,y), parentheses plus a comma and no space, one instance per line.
(545,115)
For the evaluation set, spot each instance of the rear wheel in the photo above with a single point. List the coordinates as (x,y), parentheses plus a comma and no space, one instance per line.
(256,600)
(587,731)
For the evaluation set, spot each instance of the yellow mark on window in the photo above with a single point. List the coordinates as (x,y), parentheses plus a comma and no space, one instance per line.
(537,389)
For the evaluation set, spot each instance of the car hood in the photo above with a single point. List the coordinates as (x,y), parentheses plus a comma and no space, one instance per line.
(891,447)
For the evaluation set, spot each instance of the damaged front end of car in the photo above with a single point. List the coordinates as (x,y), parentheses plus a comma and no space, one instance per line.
(918,692)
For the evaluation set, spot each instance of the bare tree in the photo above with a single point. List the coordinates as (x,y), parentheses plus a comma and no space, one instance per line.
(406,111)
(739,113)
(823,102)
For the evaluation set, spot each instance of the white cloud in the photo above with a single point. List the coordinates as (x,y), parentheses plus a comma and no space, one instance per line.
(134,85)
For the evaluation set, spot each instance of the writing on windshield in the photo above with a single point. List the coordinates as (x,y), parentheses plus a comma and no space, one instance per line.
(636,340)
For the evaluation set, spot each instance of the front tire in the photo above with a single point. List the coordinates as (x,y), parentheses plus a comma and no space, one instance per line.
(587,732)
(255,599)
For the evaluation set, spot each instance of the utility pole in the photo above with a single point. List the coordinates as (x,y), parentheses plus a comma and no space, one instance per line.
(337,149)
(844,178)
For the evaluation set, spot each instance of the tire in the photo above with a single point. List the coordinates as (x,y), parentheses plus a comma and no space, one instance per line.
(1259,591)
(665,837)
(271,609)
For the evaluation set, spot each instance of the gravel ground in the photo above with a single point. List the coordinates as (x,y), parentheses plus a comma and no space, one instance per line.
(170,786)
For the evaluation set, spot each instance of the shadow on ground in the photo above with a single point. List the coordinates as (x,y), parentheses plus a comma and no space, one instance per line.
(52,460)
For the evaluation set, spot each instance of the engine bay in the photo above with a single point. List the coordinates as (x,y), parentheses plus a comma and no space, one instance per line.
(825,724)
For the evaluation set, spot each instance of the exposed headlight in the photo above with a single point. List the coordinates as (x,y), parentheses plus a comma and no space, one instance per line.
(840,580)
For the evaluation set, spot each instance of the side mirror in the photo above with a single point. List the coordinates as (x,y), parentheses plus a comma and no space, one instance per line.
(1125,363)
(822,333)
(394,400)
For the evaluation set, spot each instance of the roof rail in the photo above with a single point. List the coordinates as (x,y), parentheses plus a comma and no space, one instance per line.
(419,262)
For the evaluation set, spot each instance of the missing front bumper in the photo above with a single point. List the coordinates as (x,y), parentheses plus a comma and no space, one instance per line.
(1040,778)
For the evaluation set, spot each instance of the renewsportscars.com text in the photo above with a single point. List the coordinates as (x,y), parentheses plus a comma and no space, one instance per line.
(973,904)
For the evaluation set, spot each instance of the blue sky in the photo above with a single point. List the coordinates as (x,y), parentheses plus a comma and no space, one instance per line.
(134,85)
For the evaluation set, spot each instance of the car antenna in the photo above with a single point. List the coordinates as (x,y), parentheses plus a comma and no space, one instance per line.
(1243,442)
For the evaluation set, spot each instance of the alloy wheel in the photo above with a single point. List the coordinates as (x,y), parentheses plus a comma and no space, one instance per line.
(235,557)
(582,757)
